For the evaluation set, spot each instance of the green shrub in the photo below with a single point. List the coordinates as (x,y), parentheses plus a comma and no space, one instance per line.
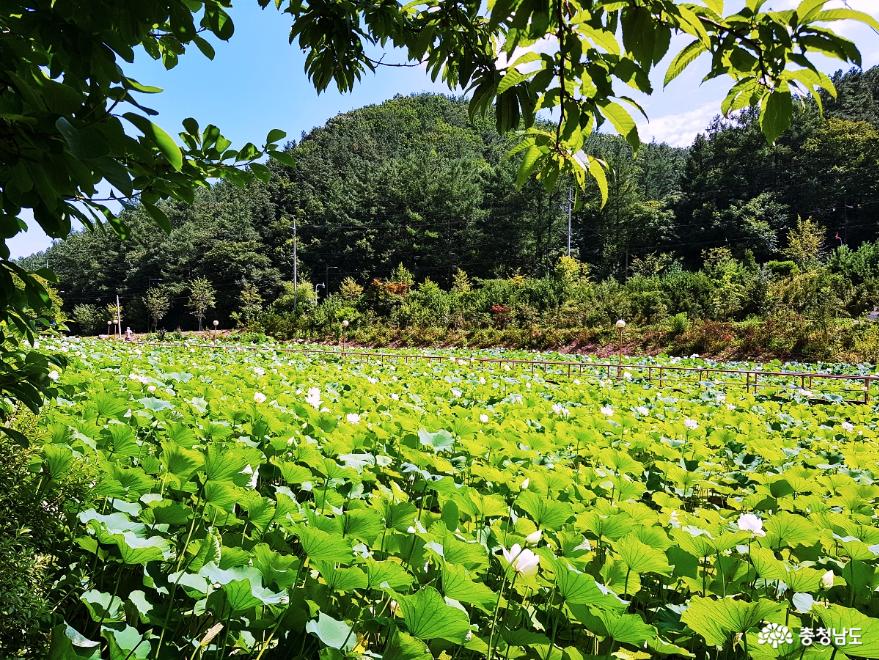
(677,324)
(35,542)
(782,268)
(89,319)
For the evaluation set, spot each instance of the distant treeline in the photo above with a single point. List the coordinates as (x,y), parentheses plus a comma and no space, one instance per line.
(414,181)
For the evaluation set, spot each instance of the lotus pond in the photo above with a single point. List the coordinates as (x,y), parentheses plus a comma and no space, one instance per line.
(263,504)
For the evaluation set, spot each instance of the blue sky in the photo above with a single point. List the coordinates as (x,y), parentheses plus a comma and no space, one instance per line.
(256,83)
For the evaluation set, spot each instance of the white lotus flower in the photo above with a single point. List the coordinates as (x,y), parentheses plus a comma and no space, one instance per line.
(748,522)
(525,483)
(827,580)
(559,409)
(456,392)
(54,375)
(521,559)
(691,424)
(259,371)
(313,398)
(483,418)
(151,388)
(259,397)
(642,410)
(848,427)
(607,411)
(533,538)
(353,418)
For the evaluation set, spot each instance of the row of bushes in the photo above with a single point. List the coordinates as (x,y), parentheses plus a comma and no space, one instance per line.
(819,286)
(794,307)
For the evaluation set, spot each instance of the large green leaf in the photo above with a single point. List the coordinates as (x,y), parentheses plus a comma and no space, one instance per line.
(342,579)
(125,642)
(789,530)
(837,617)
(640,557)
(159,137)
(459,585)
(69,644)
(242,585)
(438,441)
(103,606)
(406,647)
(180,461)
(334,634)
(582,589)
(775,113)
(387,575)
(139,550)
(716,620)
(544,511)
(427,617)
(323,546)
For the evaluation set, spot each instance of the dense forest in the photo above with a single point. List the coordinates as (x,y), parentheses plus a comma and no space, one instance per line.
(415,181)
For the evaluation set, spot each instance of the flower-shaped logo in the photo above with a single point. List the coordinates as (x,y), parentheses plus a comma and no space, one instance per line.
(775,635)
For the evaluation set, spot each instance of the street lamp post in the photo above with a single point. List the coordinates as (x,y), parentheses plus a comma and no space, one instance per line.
(216,325)
(621,328)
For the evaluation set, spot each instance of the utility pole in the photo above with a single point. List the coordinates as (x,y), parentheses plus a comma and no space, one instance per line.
(570,205)
(118,316)
(295,272)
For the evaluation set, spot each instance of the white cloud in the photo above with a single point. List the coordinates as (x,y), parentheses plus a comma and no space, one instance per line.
(679,129)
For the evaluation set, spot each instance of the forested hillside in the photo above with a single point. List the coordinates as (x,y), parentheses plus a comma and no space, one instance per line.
(415,181)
